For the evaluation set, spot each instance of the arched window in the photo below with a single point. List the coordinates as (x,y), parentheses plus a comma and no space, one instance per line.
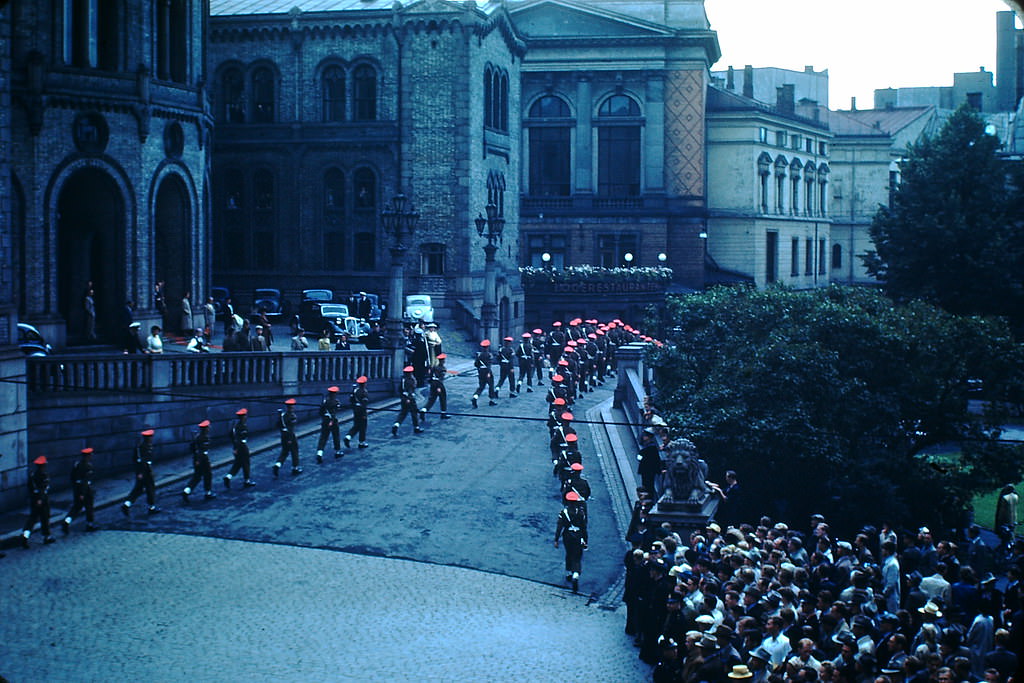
(333,228)
(794,183)
(496,191)
(171,39)
(365,189)
(780,183)
(809,175)
(364,93)
(232,96)
(618,147)
(91,33)
(495,98)
(264,223)
(488,97)
(333,90)
(263,95)
(550,127)
(822,190)
(503,105)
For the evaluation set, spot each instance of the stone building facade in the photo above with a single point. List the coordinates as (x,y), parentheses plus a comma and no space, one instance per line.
(108,159)
(323,117)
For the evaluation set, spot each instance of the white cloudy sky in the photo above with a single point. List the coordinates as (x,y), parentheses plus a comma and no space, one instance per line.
(864,44)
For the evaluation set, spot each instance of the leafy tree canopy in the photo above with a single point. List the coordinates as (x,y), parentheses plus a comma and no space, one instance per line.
(835,400)
(954,235)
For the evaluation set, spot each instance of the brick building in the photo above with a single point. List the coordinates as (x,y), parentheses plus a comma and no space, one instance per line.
(108,158)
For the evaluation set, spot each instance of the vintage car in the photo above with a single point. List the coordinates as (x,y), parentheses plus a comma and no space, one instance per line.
(268,301)
(31,341)
(418,308)
(316,316)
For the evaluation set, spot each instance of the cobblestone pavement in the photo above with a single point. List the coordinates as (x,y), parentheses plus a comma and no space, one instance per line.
(126,606)
(473,492)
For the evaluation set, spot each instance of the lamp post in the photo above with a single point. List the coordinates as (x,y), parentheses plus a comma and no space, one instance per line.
(629,258)
(490,227)
(399,219)
(546,258)
(662,258)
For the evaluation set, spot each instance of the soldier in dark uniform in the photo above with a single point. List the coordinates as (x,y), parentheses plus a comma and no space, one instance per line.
(524,354)
(329,409)
(82,492)
(359,399)
(576,482)
(558,389)
(482,363)
(575,331)
(593,354)
(407,399)
(506,363)
(143,465)
(572,529)
(601,342)
(286,422)
(650,464)
(568,376)
(568,454)
(200,463)
(582,357)
(556,342)
(38,502)
(539,344)
(436,376)
(240,449)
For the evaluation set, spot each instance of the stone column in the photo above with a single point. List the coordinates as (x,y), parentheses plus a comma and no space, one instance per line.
(584,180)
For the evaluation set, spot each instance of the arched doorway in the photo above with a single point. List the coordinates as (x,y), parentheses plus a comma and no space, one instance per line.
(90,228)
(172,227)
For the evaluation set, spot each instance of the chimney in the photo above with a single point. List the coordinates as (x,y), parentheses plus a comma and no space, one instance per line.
(748,81)
(730,79)
(808,68)
(785,100)
(853,104)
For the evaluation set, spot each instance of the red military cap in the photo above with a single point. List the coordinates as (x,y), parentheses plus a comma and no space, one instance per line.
(563,362)
(147,432)
(41,460)
(361,379)
(617,321)
(557,323)
(600,332)
(567,416)
(527,335)
(574,322)
(442,356)
(567,349)
(558,378)
(204,423)
(408,368)
(333,390)
(87,451)
(572,496)
(558,401)
(290,402)
(242,411)
(485,343)
(576,467)
(571,438)
(508,339)
(538,331)
(571,342)
(592,335)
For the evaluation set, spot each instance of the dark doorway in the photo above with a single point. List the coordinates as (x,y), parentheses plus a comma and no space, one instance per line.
(171,226)
(90,229)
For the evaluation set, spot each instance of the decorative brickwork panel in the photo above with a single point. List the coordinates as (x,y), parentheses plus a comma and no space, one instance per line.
(684,132)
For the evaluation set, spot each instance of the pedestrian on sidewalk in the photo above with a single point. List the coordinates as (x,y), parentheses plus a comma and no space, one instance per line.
(329,409)
(485,377)
(287,419)
(200,463)
(572,530)
(38,502)
(240,449)
(408,402)
(143,464)
(359,399)
(82,492)
(436,376)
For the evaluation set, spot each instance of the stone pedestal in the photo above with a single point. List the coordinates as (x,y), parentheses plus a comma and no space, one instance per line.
(685,516)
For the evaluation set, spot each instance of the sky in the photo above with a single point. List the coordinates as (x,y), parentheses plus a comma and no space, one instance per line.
(864,44)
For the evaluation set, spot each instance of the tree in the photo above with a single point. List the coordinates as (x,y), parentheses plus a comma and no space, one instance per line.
(954,235)
(835,400)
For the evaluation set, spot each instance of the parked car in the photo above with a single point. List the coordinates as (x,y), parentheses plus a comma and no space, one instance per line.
(374,311)
(31,341)
(322,295)
(316,316)
(418,308)
(220,296)
(268,301)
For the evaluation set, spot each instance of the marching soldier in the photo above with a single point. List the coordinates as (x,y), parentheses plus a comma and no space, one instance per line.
(539,344)
(558,389)
(436,376)
(408,402)
(506,363)
(240,449)
(576,483)
(485,377)
(524,354)
(556,342)
(329,409)
(555,410)
(200,463)
(572,529)
(359,399)
(602,353)
(38,502)
(143,464)
(82,492)
(287,419)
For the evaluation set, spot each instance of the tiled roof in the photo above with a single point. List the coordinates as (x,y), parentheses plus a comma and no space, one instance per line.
(235,7)
(888,120)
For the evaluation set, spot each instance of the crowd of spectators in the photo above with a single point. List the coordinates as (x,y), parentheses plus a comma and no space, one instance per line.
(770,603)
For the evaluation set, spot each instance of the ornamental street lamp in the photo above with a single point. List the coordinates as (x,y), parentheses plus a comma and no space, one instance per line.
(490,227)
(629,258)
(662,257)
(546,258)
(399,219)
